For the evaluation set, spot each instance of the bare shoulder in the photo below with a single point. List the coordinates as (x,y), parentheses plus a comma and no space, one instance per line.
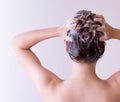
(116,77)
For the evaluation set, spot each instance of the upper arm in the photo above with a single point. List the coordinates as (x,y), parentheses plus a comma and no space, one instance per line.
(40,76)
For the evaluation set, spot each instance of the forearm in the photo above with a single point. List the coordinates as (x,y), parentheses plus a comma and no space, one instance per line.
(28,39)
(116,33)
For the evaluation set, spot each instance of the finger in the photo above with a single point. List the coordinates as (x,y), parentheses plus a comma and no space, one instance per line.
(104,37)
(99,20)
(102,29)
(99,16)
(68,39)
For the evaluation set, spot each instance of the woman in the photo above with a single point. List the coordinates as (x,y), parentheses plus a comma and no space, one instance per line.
(85,34)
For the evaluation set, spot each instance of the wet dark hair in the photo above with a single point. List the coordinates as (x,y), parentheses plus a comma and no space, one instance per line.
(86,45)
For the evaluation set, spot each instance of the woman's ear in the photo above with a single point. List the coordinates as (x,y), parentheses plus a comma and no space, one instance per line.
(67,39)
(66,42)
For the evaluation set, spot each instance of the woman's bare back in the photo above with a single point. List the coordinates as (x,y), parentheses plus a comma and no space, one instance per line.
(101,91)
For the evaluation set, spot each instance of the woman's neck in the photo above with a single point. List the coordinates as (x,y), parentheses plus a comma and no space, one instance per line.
(83,73)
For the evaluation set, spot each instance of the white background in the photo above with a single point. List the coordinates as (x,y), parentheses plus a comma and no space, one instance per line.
(17,16)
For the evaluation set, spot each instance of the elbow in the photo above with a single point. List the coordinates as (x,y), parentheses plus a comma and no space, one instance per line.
(16,42)
(19,42)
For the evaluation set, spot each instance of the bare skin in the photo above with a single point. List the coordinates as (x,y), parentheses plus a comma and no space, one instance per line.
(83,85)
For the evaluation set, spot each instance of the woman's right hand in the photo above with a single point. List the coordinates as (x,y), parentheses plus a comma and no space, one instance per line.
(68,25)
(106,28)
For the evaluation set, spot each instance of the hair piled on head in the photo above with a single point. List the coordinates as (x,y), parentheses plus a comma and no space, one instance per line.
(86,46)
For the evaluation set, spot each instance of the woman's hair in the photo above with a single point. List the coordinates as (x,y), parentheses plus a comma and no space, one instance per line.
(86,45)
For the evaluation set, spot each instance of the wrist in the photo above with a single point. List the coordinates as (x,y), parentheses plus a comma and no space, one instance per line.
(61,31)
(115,33)
(112,32)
